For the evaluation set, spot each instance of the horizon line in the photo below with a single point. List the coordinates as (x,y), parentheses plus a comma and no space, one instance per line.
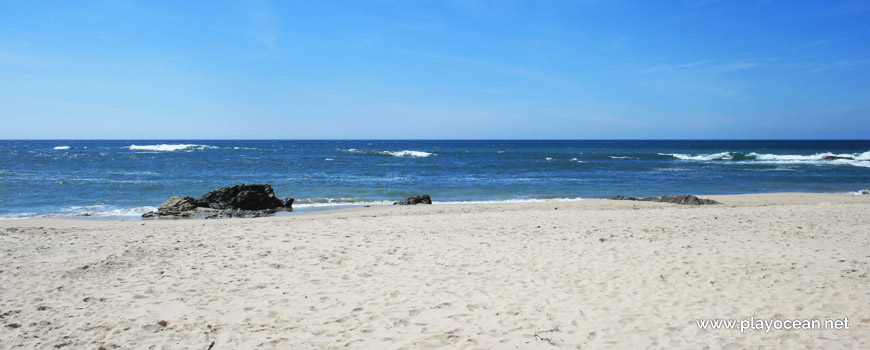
(441,139)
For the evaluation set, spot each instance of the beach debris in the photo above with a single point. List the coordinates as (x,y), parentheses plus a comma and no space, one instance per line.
(676,199)
(422,199)
(539,335)
(239,201)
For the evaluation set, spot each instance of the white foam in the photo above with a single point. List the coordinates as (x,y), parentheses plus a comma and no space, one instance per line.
(855,159)
(405,153)
(17,216)
(550,159)
(714,156)
(103,211)
(62,147)
(621,157)
(168,148)
(408,153)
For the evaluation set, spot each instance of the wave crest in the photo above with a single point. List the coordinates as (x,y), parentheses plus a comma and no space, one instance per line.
(405,153)
(715,156)
(855,159)
(169,148)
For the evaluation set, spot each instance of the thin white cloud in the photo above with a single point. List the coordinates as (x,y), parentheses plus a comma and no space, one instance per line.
(816,43)
(819,67)
(495,66)
(265,28)
(617,43)
(704,66)
(735,66)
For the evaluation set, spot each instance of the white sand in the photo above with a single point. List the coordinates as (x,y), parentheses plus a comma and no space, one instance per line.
(590,274)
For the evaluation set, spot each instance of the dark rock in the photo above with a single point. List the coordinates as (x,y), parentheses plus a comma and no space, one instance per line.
(232,213)
(176,205)
(836,157)
(240,201)
(686,199)
(245,197)
(424,199)
(676,199)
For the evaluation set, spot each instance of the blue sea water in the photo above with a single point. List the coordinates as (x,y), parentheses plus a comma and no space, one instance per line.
(127,178)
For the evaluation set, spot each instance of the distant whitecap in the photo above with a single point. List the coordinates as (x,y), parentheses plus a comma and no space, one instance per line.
(168,148)
(407,153)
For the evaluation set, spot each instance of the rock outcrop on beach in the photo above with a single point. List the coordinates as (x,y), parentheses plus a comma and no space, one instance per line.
(176,206)
(424,199)
(676,199)
(244,197)
(239,201)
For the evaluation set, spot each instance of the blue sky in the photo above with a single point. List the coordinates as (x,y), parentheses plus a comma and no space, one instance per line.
(434,70)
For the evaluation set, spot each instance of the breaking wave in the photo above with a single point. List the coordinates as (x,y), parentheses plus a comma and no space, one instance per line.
(336,202)
(855,159)
(169,148)
(62,147)
(96,211)
(715,156)
(405,153)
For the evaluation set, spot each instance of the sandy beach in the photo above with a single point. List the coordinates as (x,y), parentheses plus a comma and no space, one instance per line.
(568,275)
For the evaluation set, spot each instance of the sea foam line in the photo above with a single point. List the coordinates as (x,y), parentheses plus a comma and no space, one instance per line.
(102,211)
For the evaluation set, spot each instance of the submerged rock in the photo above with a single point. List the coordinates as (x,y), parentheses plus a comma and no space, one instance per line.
(837,157)
(239,201)
(288,203)
(424,199)
(676,199)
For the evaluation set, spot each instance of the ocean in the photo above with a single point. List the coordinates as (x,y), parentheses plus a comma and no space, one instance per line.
(125,178)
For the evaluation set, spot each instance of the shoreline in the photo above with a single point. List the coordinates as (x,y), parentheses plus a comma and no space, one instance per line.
(589,273)
(307,208)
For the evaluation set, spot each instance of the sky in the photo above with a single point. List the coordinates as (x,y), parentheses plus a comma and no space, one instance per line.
(465,69)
